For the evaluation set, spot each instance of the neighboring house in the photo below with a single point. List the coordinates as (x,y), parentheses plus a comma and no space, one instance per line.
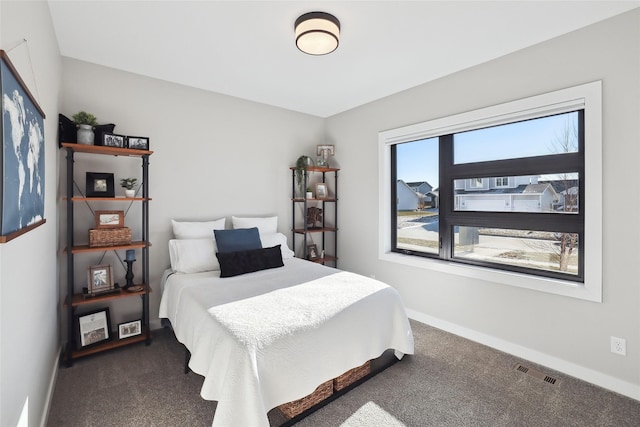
(569,194)
(426,195)
(520,194)
(412,196)
(406,198)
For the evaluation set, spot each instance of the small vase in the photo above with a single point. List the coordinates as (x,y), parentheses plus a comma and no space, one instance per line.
(309,195)
(85,134)
(130,193)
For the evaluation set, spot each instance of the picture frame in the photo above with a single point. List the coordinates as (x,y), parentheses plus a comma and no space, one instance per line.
(330,149)
(113,140)
(93,328)
(312,252)
(22,159)
(99,184)
(129,329)
(138,142)
(108,219)
(321,191)
(99,279)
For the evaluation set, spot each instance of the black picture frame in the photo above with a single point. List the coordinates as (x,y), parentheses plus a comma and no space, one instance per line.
(138,142)
(22,198)
(129,329)
(312,252)
(113,140)
(93,328)
(99,184)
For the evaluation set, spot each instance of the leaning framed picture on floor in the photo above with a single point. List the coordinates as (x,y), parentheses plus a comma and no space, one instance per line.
(94,327)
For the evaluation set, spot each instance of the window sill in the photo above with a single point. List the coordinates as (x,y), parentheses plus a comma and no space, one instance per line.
(590,291)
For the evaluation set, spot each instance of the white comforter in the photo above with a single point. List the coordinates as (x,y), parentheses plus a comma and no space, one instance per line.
(270,337)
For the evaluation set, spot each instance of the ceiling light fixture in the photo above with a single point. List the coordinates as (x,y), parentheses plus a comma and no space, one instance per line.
(317,33)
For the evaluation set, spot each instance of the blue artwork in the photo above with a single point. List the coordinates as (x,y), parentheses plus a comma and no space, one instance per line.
(22,153)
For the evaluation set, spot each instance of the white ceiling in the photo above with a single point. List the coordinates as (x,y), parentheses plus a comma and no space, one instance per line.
(246,49)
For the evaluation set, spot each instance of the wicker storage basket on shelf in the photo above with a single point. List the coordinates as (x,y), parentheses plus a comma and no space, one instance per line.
(351,376)
(297,407)
(109,237)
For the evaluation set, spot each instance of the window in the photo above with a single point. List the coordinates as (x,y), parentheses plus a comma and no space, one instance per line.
(476,183)
(510,181)
(502,182)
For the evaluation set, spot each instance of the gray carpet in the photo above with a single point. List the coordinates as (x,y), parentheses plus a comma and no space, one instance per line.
(450,381)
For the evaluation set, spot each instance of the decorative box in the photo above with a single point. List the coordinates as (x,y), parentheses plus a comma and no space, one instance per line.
(109,237)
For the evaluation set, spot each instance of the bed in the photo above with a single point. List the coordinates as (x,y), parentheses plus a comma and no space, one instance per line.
(264,338)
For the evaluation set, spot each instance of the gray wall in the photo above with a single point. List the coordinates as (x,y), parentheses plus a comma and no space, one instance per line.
(564,333)
(29,305)
(219,156)
(214,156)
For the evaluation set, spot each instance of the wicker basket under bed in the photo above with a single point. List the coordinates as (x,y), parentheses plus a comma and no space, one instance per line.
(109,236)
(325,390)
(351,376)
(297,407)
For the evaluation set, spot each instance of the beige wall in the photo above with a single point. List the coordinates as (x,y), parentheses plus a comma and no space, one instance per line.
(28,276)
(564,333)
(214,156)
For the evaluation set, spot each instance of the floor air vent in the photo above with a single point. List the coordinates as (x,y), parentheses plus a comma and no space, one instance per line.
(537,374)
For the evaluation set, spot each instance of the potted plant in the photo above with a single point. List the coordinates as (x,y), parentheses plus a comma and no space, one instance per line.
(302,166)
(128,184)
(85,122)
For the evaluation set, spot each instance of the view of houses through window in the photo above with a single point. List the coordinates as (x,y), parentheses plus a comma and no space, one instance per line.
(506,196)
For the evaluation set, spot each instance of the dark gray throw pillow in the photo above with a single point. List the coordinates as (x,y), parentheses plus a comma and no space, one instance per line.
(238,239)
(241,262)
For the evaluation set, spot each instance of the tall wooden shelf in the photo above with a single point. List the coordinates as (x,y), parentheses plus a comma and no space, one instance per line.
(301,229)
(75,298)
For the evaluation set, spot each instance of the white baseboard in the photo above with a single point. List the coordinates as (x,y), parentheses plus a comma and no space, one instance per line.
(52,386)
(589,375)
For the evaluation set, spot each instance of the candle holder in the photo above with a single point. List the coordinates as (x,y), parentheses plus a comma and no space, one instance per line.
(129,275)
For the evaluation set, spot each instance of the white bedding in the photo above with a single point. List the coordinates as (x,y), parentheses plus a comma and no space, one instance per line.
(270,337)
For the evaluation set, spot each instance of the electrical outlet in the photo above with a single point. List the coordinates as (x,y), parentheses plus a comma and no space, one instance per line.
(619,346)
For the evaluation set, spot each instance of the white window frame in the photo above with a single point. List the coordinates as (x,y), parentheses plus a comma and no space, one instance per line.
(588,97)
(476,183)
(502,178)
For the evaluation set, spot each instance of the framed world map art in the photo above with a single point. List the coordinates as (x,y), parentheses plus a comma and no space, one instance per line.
(22,128)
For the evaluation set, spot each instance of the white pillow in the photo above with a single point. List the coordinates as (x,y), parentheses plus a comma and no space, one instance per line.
(193,255)
(272,239)
(196,229)
(265,225)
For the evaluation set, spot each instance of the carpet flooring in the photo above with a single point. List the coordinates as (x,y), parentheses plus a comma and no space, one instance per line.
(450,381)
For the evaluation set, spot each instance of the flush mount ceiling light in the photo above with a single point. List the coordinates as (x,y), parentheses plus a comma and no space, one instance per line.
(317,33)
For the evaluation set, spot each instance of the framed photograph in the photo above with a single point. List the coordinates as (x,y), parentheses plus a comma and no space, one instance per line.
(138,142)
(23,177)
(93,327)
(113,140)
(325,149)
(129,329)
(99,279)
(100,184)
(109,219)
(312,252)
(321,191)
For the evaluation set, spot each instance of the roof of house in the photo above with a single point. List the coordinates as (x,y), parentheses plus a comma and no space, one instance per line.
(520,189)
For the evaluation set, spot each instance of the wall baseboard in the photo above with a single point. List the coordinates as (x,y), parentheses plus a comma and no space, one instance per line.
(52,386)
(589,375)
